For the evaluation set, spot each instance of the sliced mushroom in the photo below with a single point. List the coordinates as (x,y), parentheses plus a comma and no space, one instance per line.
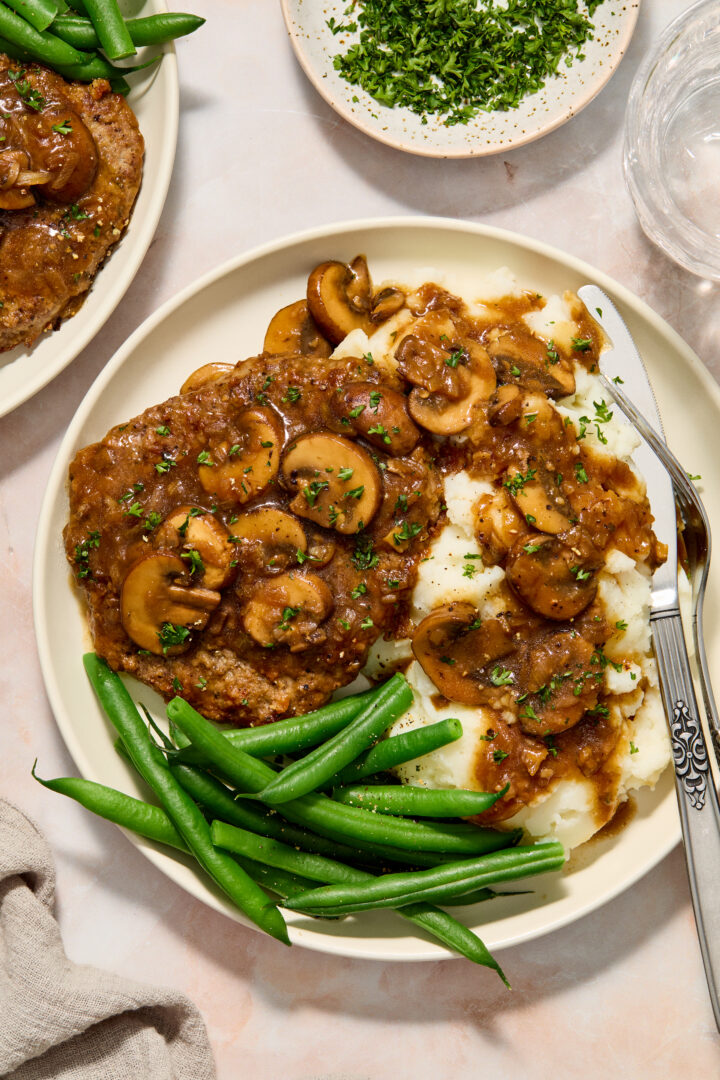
(337,483)
(203,376)
(505,405)
(498,524)
(551,577)
(451,374)
(159,609)
(288,610)
(538,495)
(453,647)
(274,536)
(339,298)
(386,303)
(293,330)
(70,158)
(379,414)
(559,672)
(237,472)
(191,529)
(523,358)
(538,420)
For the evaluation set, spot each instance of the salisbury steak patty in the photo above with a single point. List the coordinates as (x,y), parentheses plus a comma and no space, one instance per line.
(244,544)
(70,168)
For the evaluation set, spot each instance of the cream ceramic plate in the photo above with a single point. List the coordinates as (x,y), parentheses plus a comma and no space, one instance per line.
(154,98)
(224,317)
(489,133)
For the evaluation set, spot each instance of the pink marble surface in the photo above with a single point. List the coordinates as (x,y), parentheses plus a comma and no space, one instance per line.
(621,991)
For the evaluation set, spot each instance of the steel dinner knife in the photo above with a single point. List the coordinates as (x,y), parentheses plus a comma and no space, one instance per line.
(695,787)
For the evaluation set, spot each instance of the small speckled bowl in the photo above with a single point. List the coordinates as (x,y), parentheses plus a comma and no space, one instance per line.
(672,141)
(563,95)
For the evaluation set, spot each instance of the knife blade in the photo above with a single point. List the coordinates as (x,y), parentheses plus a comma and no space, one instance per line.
(694,785)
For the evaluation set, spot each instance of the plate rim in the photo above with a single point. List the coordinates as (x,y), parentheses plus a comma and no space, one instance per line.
(364,124)
(112,297)
(44,539)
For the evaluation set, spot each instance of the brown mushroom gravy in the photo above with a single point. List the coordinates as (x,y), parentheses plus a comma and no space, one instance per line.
(246,542)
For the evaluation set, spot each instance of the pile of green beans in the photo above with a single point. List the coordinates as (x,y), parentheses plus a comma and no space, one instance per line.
(262,833)
(71,43)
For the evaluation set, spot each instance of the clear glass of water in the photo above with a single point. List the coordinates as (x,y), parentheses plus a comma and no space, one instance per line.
(672,141)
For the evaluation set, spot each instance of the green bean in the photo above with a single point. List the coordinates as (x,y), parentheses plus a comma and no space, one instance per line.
(413,801)
(94,68)
(218,801)
(185,815)
(282,883)
(282,856)
(438,923)
(294,734)
(39,13)
(124,810)
(322,814)
(39,43)
(150,30)
(480,895)
(79,7)
(452,879)
(398,749)
(110,28)
(316,768)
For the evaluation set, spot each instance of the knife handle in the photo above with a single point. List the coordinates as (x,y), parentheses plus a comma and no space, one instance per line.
(696,793)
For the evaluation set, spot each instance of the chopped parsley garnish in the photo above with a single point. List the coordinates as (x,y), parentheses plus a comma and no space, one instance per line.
(552,353)
(455,58)
(289,613)
(357,411)
(366,623)
(204,458)
(314,489)
(197,566)
(32,98)
(375,398)
(401,503)
(581,344)
(165,465)
(354,493)
(344,474)
(469,570)
(621,625)
(516,483)
(177,685)
(363,557)
(408,531)
(63,129)
(531,548)
(170,635)
(164,430)
(82,553)
(501,677)
(489,735)
(580,473)
(499,755)
(579,574)
(633,748)
(359,590)
(152,521)
(379,429)
(292,394)
(455,357)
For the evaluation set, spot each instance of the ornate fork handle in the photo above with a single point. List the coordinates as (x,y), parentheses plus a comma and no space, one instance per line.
(697,797)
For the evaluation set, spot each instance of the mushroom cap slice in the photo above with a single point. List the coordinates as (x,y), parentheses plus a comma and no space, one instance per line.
(203,376)
(450,373)
(533,363)
(497,524)
(239,471)
(293,330)
(559,663)
(539,498)
(190,528)
(337,483)
(339,298)
(386,303)
(277,535)
(379,414)
(153,598)
(288,610)
(551,577)
(453,646)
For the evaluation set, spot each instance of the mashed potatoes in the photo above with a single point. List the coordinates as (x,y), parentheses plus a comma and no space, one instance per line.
(573,804)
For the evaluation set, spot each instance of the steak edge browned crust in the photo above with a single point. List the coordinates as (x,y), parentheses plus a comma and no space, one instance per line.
(225,673)
(48,258)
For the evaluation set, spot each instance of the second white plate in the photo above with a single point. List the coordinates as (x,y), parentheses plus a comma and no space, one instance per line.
(223,317)
(155,102)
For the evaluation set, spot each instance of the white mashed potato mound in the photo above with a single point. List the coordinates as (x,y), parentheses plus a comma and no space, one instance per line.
(568,809)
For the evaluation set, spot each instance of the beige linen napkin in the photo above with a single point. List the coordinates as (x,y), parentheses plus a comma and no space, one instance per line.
(65,1021)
